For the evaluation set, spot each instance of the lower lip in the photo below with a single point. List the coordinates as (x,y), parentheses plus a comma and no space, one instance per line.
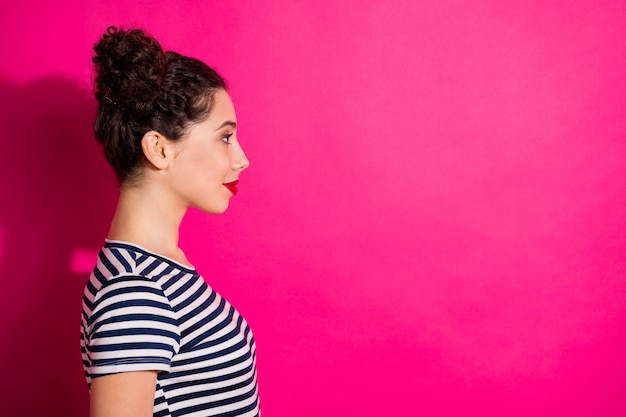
(232,187)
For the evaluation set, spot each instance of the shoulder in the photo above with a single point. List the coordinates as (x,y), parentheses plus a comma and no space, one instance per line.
(121,264)
(128,297)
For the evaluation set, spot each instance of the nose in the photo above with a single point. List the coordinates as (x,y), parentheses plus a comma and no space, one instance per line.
(240,162)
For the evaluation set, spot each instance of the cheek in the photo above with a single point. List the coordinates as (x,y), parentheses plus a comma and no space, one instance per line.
(224,162)
(218,166)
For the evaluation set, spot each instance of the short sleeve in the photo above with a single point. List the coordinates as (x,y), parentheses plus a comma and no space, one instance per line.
(132,328)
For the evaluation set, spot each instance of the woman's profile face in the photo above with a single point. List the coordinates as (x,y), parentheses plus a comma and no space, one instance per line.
(209,160)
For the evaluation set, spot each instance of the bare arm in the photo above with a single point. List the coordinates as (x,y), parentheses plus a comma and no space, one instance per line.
(127,394)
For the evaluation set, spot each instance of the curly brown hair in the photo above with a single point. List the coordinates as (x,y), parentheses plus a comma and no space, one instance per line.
(139,88)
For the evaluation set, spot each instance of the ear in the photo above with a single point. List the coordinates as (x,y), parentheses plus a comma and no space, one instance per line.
(156,148)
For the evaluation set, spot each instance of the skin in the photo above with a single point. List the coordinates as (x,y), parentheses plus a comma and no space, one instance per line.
(175,176)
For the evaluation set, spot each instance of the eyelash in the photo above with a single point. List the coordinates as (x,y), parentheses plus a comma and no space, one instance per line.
(226,138)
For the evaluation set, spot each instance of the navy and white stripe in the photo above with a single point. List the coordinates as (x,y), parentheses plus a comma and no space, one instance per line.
(142,311)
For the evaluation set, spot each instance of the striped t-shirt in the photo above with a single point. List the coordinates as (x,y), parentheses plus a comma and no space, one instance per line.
(142,311)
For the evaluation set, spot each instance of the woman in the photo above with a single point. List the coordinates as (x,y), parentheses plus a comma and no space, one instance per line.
(156,340)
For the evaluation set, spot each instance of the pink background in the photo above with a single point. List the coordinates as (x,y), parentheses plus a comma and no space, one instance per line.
(433,223)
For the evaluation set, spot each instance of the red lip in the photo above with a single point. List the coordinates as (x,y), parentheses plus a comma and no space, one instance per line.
(232,186)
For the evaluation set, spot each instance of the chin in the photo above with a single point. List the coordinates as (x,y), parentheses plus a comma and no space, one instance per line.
(214,208)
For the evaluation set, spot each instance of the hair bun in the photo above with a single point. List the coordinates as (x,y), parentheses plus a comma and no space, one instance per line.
(130,67)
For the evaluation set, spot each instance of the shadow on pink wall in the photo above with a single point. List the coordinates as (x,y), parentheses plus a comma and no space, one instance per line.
(57,195)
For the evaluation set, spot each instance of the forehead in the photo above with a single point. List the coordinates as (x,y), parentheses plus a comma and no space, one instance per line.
(223,110)
(222,114)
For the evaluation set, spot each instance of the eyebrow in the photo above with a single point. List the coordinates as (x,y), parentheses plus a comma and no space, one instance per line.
(227,123)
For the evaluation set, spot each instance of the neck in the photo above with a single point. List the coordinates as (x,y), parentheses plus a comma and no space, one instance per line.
(146,218)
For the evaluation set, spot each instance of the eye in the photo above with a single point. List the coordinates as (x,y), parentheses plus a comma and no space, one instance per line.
(226,137)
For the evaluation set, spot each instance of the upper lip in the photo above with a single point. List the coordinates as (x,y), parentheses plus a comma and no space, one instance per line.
(234,182)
